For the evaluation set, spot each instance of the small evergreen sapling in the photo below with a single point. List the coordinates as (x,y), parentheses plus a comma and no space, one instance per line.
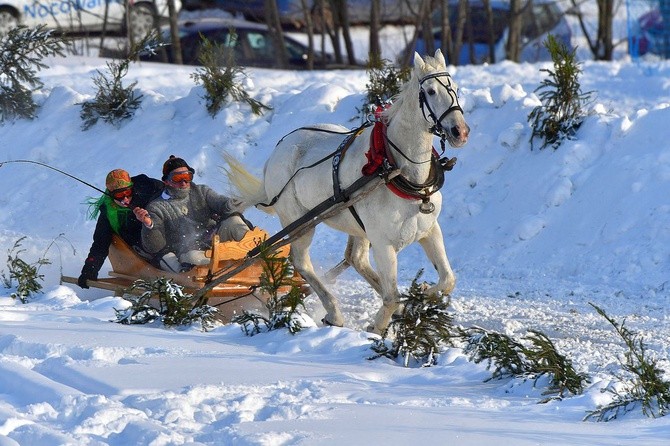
(562,109)
(113,101)
(21,53)
(219,78)
(27,275)
(421,330)
(647,389)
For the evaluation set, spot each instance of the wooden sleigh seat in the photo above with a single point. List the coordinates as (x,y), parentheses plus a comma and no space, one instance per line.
(230,297)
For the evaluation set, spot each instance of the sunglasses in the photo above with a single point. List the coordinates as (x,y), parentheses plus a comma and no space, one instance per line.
(180,177)
(120,194)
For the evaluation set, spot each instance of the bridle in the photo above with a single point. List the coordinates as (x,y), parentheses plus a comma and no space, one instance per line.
(437,129)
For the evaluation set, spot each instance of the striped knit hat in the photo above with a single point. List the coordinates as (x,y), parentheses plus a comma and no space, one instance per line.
(118,179)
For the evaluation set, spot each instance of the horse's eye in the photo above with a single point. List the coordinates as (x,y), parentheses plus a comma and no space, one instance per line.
(431,92)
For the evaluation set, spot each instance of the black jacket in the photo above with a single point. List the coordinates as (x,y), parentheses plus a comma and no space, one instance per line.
(145,189)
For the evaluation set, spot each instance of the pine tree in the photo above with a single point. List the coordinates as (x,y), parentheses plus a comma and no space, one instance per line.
(21,53)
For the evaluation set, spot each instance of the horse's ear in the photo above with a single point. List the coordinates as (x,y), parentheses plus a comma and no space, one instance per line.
(418,61)
(440,57)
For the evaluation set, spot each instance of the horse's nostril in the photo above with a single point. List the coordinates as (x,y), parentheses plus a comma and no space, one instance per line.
(455,131)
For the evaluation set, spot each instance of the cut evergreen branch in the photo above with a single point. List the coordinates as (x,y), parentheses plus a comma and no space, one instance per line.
(422,329)
(545,359)
(114,102)
(562,110)
(27,275)
(511,358)
(283,309)
(498,350)
(21,53)
(219,76)
(647,389)
(165,300)
(385,81)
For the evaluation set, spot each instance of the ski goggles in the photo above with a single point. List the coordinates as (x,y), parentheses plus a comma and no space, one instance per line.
(180,177)
(120,194)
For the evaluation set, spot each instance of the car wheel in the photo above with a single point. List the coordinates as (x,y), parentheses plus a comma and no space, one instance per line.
(142,20)
(9,19)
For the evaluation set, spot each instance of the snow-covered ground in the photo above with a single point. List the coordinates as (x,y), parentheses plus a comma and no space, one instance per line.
(533,236)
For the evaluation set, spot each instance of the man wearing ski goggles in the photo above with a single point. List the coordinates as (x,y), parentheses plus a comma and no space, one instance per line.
(179,225)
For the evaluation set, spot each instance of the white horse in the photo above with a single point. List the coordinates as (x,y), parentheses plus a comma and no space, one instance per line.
(300,173)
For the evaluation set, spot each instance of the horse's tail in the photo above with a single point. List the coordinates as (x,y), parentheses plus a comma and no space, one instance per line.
(249,188)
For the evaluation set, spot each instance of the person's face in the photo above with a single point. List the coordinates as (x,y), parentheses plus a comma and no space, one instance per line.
(123,197)
(180,178)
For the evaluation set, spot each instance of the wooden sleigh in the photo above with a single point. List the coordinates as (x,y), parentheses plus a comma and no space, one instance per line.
(231,296)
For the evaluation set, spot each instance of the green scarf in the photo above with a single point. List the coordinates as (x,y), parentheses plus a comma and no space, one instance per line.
(115,214)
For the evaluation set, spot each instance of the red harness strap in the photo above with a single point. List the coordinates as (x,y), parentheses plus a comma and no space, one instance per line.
(378,153)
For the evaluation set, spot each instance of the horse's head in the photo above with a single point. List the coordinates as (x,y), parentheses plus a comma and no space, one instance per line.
(438,99)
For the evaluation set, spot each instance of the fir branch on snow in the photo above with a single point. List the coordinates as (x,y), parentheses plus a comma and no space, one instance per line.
(512,359)
(21,53)
(283,309)
(421,330)
(165,300)
(647,390)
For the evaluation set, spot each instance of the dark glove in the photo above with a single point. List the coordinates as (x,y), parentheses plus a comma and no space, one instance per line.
(88,272)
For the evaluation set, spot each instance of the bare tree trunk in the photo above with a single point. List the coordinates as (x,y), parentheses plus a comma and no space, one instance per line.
(605,16)
(341,18)
(375,24)
(445,27)
(513,47)
(489,19)
(425,4)
(427,27)
(274,24)
(174,33)
(461,16)
(309,27)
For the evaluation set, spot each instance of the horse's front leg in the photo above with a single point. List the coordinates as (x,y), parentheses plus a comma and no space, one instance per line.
(303,264)
(387,265)
(433,246)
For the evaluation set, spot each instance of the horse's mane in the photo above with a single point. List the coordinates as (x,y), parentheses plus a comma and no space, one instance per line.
(410,90)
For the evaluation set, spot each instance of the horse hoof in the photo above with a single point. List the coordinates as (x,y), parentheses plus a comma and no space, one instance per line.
(327,323)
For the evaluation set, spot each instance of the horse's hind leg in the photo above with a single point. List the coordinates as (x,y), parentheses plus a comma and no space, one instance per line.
(303,264)
(358,256)
(433,245)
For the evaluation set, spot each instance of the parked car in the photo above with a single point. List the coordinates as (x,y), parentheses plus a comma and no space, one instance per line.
(291,12)
(651,35)
(251,43)
(82,16)
(540,18)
